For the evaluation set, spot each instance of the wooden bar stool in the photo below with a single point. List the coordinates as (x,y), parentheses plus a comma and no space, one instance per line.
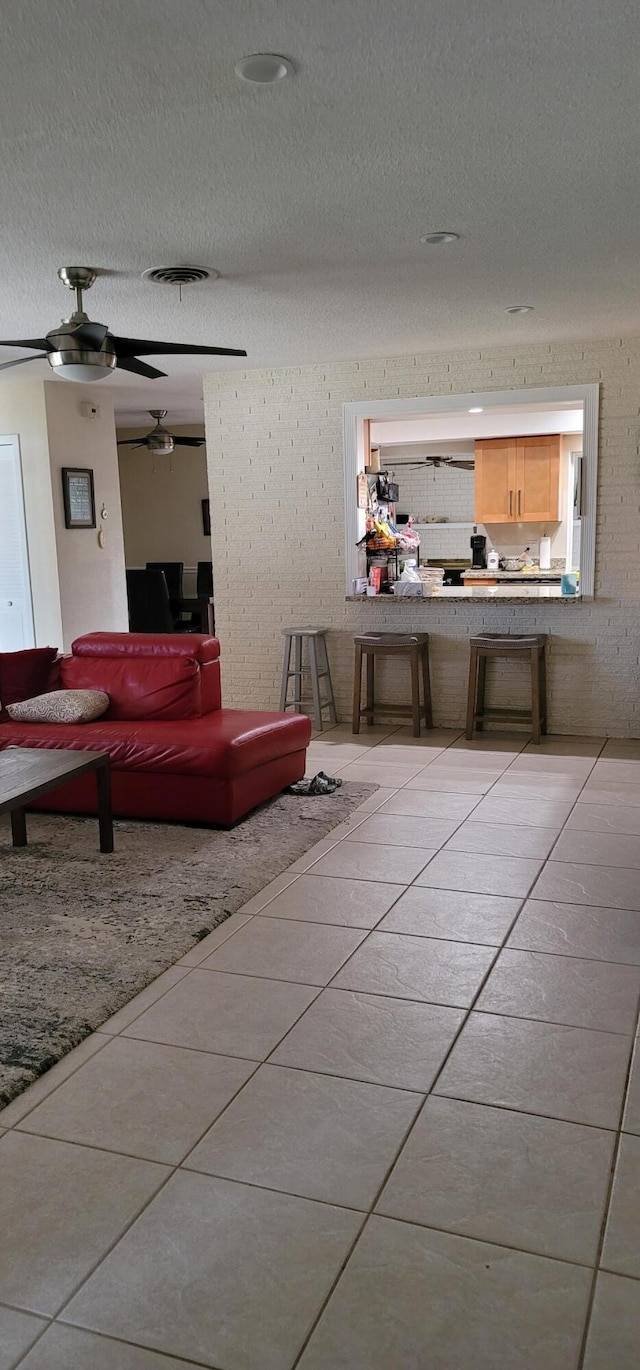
(318,669)
(492,646)
(415,646)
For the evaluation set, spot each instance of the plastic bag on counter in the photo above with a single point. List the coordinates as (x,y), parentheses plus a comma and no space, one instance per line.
(412,589)
(410,573)
(407,538)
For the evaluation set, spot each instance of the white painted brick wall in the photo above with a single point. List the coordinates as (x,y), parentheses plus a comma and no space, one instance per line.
(274,443)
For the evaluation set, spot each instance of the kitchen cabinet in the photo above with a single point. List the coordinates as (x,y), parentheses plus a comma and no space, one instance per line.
(517,480)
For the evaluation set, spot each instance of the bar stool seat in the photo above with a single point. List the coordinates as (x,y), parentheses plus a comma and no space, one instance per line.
(511,642)
(318,669)
(484,647)
(415,646)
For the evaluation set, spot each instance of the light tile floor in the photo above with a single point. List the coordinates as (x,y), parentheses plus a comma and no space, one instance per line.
(377,1120)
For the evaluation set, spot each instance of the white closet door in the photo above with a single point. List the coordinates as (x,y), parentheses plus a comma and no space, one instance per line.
(16,607)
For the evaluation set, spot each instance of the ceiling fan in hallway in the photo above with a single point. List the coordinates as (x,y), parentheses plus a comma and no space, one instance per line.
(80,350)
(160,441)
(437,462)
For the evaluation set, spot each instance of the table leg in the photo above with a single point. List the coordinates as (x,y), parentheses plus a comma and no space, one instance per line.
(105,816)
(18,828)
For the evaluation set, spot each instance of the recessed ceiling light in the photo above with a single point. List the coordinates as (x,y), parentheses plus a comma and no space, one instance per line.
(263,68)
(519,309)
(444,236)
(476,410)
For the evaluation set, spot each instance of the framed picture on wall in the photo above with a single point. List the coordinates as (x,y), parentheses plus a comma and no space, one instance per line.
(206,518)
(79,500)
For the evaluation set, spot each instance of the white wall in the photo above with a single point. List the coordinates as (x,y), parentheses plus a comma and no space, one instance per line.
(22,412)
(92,580)
(162,500)
(275,450)
(441,490)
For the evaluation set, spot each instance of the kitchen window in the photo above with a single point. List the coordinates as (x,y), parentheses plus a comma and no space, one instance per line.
(507,473)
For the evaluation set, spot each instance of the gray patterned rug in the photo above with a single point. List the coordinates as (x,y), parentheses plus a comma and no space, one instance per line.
(81,933)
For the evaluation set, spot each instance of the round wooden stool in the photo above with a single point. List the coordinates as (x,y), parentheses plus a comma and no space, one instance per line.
(415,646)
(488,646)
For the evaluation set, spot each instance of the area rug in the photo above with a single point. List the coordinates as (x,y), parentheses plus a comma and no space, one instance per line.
(81,933)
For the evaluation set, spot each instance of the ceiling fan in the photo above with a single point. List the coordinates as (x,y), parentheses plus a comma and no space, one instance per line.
(438,462)
(160,441)
(84,351)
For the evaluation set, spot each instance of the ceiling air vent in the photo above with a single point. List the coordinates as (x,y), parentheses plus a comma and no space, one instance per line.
(179,275)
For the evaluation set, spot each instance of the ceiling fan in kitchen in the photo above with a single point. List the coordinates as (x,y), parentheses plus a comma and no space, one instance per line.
(453,462)
(159,440)
(80,350)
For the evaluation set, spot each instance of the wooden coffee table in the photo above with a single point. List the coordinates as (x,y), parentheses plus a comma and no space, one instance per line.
(28,772)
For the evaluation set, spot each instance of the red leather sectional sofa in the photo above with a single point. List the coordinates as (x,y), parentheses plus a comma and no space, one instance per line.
(175,752)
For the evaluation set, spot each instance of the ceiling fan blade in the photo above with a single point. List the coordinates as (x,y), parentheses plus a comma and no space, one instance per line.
(91,334)
(141,347)
(187,442)
(139,368)
(463,465)
(20,360)
(26,342)
(129,442)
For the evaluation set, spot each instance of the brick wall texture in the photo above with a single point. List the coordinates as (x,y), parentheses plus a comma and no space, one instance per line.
(275,454)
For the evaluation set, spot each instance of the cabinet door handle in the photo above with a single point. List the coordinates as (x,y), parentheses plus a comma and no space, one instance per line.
(519,500)
(510,503)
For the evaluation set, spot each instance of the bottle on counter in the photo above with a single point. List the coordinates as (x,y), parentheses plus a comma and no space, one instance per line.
(493,560)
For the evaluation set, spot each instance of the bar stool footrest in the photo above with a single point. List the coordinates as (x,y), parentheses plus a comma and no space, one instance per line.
(504,713)
(404,710)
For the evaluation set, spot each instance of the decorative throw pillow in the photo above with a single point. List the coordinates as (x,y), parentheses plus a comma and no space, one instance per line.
(25,674)
(61,706)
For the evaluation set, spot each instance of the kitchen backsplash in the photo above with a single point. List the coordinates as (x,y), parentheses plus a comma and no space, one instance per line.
(433,491)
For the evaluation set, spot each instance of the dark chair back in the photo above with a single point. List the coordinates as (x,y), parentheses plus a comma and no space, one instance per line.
(204,580)
(173,575)
(149,606)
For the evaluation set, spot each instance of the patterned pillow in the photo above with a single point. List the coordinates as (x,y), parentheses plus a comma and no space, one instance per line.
(61,706)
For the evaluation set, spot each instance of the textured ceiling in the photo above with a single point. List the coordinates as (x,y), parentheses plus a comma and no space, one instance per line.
(128,142)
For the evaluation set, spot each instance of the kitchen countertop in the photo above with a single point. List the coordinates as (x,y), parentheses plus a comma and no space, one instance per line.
(534,574)
(515,593)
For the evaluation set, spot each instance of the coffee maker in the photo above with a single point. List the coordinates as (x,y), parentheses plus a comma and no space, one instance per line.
(478,552)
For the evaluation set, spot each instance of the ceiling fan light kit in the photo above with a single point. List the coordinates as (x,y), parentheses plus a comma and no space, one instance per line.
(160,441)
(80,350)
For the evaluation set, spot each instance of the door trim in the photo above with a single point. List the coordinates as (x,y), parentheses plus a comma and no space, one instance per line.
(12,441)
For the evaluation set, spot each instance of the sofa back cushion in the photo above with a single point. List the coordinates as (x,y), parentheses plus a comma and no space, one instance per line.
(160,687)
(101,652)
(196,645)
(25,674)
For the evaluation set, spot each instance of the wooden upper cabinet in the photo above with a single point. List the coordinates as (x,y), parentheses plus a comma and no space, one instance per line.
(495,480)
(538,479)
(517,480)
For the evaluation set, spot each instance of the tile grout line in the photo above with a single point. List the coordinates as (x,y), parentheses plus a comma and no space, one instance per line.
(407,1135)
(188,969)
(117,1341)
(100,1030)
(607,1202)
(498,949)
(108,1037)
(422,1107)
(48,1322)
